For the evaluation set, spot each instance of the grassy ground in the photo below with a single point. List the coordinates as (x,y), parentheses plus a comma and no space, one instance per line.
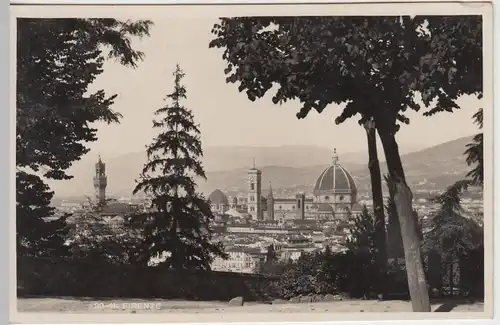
(74,305)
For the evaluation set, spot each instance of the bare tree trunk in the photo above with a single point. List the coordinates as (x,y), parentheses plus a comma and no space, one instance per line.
(378,205)
(417,283)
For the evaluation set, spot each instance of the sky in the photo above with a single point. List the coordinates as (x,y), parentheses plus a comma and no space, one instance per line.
(227,117)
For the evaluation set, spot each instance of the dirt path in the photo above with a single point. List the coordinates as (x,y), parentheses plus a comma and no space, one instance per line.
(71,305)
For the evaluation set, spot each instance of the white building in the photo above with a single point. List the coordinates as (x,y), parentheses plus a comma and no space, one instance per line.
(240,260)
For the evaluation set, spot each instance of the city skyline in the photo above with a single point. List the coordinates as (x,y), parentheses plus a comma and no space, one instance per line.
(124,169)
(292,214)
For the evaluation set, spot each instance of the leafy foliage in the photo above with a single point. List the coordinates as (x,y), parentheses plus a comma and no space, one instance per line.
(474,152)
(363,246)
(356,60)
(354,271)
(99,239)
(312,273)
(271,265)
(362,234)
(57,60)
(452,233)
(39,232)
(179,225)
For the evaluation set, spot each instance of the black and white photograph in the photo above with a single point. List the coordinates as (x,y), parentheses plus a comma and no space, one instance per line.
(322,160)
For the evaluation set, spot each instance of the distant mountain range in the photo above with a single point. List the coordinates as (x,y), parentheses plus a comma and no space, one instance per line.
(285,167)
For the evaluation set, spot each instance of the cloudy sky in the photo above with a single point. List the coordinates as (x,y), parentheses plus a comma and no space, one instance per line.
(227,117)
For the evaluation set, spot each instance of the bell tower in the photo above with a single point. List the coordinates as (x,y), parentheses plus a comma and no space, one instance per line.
(100,182)
(254,204)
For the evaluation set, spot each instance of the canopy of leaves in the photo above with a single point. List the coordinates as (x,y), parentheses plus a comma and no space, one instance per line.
(101,239)
(179,224)
(57,60)
(312,273)
(374,64)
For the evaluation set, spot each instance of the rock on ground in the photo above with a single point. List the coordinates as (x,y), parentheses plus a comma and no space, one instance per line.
(236,302)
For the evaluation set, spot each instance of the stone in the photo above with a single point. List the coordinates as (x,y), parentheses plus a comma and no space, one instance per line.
(279,302)
(236,302)
(295,300)
(317,298)
(306,299)
(329,297)
(338,297)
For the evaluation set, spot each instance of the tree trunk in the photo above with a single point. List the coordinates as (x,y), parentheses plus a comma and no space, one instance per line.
(378,205)
(417,283)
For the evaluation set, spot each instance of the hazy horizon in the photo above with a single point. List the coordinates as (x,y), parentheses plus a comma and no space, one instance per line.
(361,151)
(228,118)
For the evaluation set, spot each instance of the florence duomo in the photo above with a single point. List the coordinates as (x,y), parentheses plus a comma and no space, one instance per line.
(334,197)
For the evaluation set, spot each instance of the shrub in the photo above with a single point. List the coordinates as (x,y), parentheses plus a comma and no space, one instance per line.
(354,272)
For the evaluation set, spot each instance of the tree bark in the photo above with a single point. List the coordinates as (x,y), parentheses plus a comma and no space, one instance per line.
(417,283)
(378,205)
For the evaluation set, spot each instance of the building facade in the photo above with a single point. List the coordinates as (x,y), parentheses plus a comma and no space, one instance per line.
(100,182)
(334,197)
(240,260)
(254,204)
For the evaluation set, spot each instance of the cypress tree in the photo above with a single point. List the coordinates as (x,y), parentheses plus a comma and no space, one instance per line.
(179,223)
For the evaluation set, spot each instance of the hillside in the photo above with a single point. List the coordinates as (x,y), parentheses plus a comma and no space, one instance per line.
(285,167)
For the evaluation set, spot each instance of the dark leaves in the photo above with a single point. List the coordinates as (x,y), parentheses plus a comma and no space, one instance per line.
(377,62)
(37,232)
(474,152)
(57,60)
(452,233)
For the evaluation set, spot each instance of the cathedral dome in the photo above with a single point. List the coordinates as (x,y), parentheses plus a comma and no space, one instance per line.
(217,197)
(334,179)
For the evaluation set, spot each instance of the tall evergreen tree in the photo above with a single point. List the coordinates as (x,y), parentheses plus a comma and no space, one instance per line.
(38,235)
(271,255)
(363,233)
(474,152)
(179,227)
(452,234)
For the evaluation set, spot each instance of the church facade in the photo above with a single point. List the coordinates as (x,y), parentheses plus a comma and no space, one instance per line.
(334,197)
